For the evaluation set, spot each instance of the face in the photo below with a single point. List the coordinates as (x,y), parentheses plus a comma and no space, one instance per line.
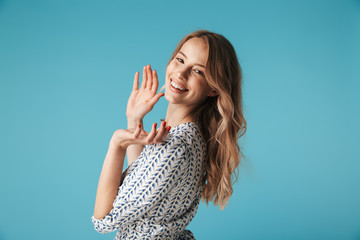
(185,75)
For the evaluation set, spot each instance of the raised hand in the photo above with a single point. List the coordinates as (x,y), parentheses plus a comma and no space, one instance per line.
(143,99)
(125,137)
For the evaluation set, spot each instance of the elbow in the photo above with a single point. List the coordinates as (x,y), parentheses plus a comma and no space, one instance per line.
(98,216)
(102,225)
(102,231)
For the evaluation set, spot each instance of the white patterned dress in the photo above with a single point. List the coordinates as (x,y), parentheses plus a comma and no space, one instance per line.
(161,190)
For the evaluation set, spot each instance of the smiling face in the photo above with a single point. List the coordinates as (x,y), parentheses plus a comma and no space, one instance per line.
(185,75)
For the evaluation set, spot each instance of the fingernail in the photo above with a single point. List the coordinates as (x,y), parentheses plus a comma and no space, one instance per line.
(139,125)
(155,125)
(168,128)
(164,123)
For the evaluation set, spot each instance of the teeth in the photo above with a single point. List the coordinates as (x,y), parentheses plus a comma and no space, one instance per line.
(177,86)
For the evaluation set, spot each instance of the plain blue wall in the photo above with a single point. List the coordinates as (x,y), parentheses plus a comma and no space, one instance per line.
(66,71)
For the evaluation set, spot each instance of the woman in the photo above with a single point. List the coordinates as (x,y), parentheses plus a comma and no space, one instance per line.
(171,168)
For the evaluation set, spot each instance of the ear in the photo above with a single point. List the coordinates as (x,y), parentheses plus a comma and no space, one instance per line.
(213,93)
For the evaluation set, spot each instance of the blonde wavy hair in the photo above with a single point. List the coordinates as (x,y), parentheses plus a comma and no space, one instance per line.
(220,118)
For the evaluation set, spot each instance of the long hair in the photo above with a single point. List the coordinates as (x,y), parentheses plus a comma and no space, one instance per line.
(220,118)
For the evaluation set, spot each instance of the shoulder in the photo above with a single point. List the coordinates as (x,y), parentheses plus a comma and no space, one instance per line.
(185,138)
(187,134)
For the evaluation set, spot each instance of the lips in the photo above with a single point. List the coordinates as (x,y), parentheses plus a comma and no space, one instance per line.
(176,85)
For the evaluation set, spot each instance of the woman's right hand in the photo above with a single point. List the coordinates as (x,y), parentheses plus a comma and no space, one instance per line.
(137,136)
(143,99)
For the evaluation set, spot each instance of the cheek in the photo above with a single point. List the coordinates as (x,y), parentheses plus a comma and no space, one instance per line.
(206,88)
(203,83)
(169,69)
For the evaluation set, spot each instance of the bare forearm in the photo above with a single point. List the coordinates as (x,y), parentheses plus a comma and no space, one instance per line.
(133,151)
(109,181)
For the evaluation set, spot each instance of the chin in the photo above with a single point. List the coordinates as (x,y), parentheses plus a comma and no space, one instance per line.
(169,98)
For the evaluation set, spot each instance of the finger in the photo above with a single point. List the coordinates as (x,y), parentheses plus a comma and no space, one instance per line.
(167,130)
(156,98)
(152,133)
(155,82)
(137,131)
(165,133)
(149,77)
(136,81)
(160,132)
(143,83)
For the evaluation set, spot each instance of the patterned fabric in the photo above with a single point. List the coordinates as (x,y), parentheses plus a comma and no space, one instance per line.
(160,191)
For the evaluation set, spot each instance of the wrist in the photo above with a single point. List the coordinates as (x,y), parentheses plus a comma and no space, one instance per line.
(134,122)
(116,147)
(116,142)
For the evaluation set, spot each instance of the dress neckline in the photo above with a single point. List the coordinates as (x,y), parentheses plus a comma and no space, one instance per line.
(185,123)
(182,124)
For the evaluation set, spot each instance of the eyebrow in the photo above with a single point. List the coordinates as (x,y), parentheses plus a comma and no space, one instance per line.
(195,63)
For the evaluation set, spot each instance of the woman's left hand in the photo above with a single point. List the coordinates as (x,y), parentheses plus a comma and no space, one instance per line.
(124,137)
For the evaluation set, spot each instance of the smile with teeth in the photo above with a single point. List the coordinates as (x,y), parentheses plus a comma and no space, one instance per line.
(177,86)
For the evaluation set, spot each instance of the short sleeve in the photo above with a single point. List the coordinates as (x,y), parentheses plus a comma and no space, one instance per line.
(146,185)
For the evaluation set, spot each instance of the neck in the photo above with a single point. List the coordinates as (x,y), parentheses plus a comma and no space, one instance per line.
(176,115)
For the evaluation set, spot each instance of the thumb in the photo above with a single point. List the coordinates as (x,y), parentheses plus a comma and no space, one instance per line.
(137,131)
(156,98)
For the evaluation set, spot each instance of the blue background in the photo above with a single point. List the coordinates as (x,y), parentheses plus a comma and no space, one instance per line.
(66,72)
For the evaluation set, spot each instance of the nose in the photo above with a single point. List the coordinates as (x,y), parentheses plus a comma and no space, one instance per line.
(182,73)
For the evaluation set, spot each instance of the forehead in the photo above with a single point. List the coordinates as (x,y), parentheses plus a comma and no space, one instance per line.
(196,50)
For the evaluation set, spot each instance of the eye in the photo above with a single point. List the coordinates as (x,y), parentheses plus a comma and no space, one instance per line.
(180,60)
(199,72)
